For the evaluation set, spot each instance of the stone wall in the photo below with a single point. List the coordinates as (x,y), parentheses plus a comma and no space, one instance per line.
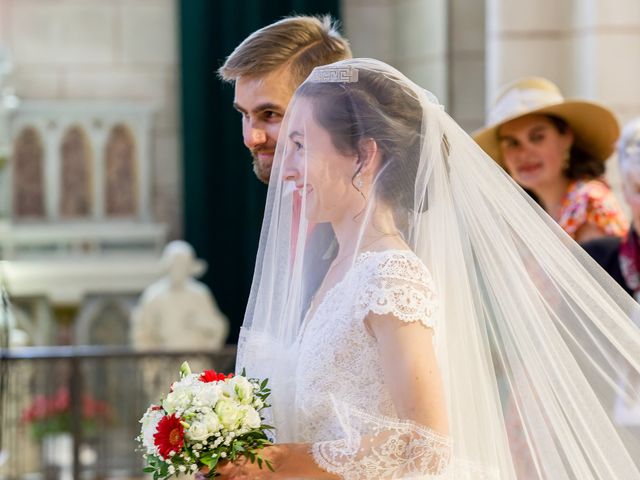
(437,43)
(106,50)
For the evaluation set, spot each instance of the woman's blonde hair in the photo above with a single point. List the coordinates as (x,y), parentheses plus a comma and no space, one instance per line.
(301,42)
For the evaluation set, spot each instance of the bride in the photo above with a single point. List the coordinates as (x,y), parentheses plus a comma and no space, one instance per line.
(450,290)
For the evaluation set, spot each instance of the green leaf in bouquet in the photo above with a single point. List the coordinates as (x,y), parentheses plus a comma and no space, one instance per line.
(269,465)
(148,469)
(209,460)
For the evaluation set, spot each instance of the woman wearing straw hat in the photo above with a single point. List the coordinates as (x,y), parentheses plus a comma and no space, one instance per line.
(556,149)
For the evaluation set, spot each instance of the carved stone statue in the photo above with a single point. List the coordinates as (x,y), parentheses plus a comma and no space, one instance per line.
(178,312)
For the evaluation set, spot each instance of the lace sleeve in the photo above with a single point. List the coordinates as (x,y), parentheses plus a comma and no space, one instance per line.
(383,448)
(399,284)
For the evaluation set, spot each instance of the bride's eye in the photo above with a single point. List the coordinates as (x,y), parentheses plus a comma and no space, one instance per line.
(298,145)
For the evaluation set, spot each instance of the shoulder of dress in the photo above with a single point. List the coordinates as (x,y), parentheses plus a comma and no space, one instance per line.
(398,263)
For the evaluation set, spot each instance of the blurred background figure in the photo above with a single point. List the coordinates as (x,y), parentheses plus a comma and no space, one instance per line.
(178,312)
(620,257)
(557,149)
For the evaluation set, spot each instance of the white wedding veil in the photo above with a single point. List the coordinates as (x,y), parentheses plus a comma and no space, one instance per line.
(527,325)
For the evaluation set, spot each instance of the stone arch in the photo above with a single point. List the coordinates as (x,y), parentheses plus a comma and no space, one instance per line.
(28,175)
(75,174)
(121,175)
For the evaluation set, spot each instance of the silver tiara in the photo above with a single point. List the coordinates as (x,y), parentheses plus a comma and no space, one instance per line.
(334,75)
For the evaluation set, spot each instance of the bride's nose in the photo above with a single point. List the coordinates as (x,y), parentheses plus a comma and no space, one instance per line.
(290,172)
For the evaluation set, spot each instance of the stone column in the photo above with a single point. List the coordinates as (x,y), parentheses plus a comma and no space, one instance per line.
(525,38)
(411,35)
(467,62)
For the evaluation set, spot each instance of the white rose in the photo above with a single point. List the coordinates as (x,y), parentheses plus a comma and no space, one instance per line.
(208,394)
(242,389)
(186,382)
(178,400)
(212,422)
(229,413)
(197,432)
(251,417)
(149,428)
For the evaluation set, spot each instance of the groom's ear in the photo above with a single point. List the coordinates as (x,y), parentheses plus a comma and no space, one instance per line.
(368,155)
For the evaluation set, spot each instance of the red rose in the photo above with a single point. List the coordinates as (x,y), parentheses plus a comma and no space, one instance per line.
(169,436)
(213,376)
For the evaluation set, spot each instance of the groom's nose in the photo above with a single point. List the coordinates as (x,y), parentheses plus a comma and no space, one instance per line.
(253,136)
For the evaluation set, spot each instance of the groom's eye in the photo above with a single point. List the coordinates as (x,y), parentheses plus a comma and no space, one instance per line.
(271,115)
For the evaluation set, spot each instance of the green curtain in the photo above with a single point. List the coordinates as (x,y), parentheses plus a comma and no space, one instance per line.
(223,201)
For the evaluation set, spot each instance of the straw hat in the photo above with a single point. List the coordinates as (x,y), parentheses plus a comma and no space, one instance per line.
(594,126)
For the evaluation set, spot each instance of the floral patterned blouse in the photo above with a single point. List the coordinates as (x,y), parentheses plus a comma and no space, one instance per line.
(591,201)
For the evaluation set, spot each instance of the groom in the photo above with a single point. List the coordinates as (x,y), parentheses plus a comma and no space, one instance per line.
(267,67)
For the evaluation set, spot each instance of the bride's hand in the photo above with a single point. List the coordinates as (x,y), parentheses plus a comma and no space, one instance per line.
(289,460)
(243,469)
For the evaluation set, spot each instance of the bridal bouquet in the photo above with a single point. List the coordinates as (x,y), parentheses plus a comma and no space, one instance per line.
(205,418)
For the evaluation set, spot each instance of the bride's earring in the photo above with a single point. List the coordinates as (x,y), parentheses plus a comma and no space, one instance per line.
(357,182)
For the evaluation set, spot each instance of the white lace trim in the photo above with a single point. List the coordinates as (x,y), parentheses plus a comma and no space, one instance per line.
(399,284)
(391,448)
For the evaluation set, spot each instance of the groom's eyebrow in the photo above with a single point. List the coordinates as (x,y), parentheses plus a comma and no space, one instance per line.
(260,108)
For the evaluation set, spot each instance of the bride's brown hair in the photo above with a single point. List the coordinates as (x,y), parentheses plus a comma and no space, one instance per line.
(375,107)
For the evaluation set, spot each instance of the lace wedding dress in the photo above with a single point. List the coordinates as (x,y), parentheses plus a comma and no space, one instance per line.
(339,368)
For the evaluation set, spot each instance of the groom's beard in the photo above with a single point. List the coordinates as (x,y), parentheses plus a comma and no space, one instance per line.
(262,166)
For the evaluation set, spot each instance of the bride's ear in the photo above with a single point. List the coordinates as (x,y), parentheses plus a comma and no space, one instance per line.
(368,155)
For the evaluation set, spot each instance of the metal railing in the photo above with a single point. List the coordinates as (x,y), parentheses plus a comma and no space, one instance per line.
(72,412)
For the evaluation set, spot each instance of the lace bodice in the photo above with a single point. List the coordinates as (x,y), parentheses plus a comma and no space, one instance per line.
(338,356)
(338,368)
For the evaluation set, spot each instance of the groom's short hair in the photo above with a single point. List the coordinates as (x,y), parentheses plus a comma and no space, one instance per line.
(301,42)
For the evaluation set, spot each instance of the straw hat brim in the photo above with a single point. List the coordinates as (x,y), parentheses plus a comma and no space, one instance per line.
(594,127)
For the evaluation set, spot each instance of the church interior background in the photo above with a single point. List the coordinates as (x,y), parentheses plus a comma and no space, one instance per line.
(116,138)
